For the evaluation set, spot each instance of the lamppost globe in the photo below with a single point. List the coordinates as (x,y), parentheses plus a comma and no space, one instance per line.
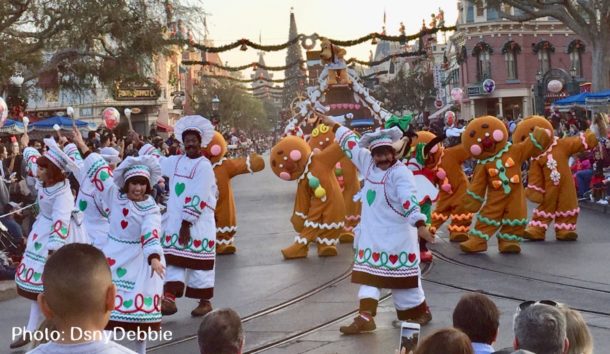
(215,103)
(539,76)
(17,79)
(573,72)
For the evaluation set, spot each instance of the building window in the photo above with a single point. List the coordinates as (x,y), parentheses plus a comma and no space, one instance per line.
(510,51)
(492,13)
(482,51)
(544,50)
(470,13)
(575,49)
(480,8)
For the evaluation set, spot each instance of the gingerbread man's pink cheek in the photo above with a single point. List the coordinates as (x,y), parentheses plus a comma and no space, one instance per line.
(285,176)
(498,135)
(215,150)
(475,150)
(295,155)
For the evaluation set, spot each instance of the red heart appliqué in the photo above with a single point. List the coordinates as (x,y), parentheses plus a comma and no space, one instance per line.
(187,200)
(202,205)
(210,244)
(412,257)
(375,256)
(406,205)
(351,144)
(111,261)
(125,211)
(124,224)
(168,239)
(197,243)
(34,236)
(393,258)
(360,254)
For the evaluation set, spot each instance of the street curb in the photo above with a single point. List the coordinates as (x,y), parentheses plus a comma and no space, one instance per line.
(8,290)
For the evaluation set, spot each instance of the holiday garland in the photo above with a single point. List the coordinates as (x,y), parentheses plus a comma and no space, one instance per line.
(309,42)
(301,62)
(221,77)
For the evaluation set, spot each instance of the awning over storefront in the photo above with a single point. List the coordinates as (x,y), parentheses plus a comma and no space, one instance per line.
(164,127)
(441,111)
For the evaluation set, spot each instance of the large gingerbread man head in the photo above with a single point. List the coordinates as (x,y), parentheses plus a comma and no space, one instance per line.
(216,149)
(289,158)
(330,53)
(527,126)
(321,136)
(432,145)
(484,137)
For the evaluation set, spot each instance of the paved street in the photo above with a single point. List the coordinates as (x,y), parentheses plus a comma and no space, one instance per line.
(257,278)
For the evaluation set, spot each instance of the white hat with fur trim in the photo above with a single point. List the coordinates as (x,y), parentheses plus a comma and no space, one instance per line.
(198,124)
(145,166)
(59,158)
(382,137)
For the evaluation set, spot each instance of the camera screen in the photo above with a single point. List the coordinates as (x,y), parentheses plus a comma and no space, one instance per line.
(408,338)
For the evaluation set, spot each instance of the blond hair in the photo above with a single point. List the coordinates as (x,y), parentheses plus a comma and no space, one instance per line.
(577,331)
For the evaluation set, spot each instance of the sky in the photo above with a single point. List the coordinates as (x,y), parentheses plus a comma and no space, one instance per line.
(229,20)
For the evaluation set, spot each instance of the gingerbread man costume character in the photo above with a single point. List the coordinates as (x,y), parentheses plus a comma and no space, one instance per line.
(496,183)
(453,185)
(318,208)
(224,170)
(549,175)
(347,176)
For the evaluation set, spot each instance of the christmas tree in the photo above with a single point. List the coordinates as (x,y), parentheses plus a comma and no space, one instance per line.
(295,82)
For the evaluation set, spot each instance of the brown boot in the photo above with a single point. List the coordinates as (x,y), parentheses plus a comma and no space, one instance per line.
(505,246)
(474,244)
(20,342)
(346,237)
(326,251)
(168,307)
(534,233)
(458,236)
(202,309)
(566,235)
(225,249)
(361,324)
(296,250)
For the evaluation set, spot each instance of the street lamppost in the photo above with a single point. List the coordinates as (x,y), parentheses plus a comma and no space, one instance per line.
(539,93)
(16,103)
(215,106)
(574,89)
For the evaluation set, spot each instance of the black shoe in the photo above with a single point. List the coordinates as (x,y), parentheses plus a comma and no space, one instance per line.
(361,324)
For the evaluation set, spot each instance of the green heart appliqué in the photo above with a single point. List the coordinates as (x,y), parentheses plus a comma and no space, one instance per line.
(82,205)
(148,301)
(104,175)
(37,245)
(127,303)
(37,276)
(180,187)
(121,272)
(370,196)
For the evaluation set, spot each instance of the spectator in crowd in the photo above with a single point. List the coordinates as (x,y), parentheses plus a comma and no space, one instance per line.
(582,173)
(221,332)
(577,331)
(541,328)
(78,293)
(478,317)
(445,341)
(13,228)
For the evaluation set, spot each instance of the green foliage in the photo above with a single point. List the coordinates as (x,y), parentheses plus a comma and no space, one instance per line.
(238,108)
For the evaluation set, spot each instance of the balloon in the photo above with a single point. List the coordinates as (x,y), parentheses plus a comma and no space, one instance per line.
(111,117)
(70,112)
(56,127)
(3,112)
(457,94)
(26,121)
(555,86)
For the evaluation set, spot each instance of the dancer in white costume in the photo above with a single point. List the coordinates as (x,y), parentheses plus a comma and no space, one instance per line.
(132,249)
(53,226)
(189,225)
(386,243)
(90,203)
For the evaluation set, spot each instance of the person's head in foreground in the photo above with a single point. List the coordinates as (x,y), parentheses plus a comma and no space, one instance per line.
(577,331)
(445,341)
(78,289)
(221,332)
(541,328)
(478,317)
